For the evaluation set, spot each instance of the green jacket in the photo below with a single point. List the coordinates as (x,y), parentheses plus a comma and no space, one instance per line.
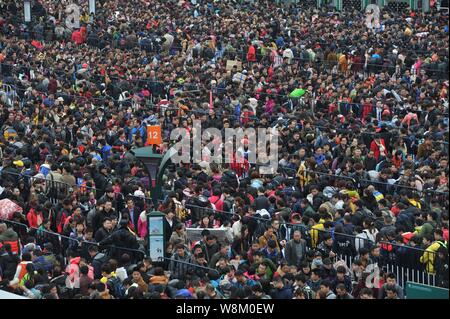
(309,211)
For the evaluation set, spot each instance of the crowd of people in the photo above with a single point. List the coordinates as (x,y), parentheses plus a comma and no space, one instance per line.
(362,180)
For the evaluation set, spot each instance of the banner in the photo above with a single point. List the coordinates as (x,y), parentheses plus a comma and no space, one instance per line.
(153,135)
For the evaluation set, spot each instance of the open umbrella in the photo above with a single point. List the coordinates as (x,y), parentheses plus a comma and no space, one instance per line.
(8,208)
(297,93)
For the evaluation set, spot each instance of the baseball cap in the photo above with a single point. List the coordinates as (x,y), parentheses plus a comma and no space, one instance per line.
(18,163)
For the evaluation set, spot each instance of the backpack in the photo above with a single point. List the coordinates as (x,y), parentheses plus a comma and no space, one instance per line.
(228,205)
(368,243)
(116,287)
(229,178)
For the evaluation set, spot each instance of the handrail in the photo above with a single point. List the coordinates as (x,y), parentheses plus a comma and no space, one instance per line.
(288,224)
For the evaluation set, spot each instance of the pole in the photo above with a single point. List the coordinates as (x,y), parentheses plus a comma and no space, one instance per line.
(92,6)
(27,10)
(211,100)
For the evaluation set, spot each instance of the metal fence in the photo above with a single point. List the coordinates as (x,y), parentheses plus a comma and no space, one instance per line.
(406,270)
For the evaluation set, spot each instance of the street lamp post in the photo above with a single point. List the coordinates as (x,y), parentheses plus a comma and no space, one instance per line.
(155,164)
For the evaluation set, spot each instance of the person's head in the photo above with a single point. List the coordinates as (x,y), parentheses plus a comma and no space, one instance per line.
(391,292)
(170,215)
(297,236)
(53,289)
(180,228)
(93,250)
(262,268)
(315,274)
(180,250)
(258,257)
(276,224)
(84,270)
(130,203)
(80,227)
(210,240)
(328,240)
(225,248)
(431,216)
(314,190)
(107,224)
(341,290)
(364,253)
(205,221)
(427,239)
(137,276)
(340,272)
(255,245)
(375,251)
(108,205)
(89,233)
(269,232)
(278,282)
(391,279)
(366,293)
(325,286)
(438,234)
(240,276)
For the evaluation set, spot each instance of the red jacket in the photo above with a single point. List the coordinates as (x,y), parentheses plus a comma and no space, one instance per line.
(79,36)
(376,149)
(251,54)
(217,201)
(34,219)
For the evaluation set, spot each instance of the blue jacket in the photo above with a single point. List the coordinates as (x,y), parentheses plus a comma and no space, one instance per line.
(283,293)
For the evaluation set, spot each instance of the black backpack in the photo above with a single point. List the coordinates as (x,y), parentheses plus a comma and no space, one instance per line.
(230,179)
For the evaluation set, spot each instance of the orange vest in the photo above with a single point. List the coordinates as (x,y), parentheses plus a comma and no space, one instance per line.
(15,246)
(23,270)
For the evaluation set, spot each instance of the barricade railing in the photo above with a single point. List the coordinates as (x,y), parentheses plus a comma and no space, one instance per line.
(389,256)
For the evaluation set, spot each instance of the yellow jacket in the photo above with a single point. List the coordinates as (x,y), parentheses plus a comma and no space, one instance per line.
(315,231)
(304,177)
(429,256)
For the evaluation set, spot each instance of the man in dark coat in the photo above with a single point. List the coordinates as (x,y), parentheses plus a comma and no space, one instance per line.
(122,241)
(281,289)
(295,250)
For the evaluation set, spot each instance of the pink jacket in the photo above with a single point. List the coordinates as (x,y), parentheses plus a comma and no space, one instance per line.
(142,228)
(73,273)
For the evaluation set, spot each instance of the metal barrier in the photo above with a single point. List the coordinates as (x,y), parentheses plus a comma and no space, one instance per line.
(414,272)
(7,94)
(402,274)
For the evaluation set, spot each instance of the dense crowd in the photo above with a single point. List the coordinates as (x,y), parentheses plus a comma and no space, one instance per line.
(362,182)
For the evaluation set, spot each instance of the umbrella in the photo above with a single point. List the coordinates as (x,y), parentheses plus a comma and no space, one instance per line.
(297,93)
(8,208)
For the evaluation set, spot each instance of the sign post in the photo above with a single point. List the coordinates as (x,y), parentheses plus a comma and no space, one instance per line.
(156,239)
(27,10)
